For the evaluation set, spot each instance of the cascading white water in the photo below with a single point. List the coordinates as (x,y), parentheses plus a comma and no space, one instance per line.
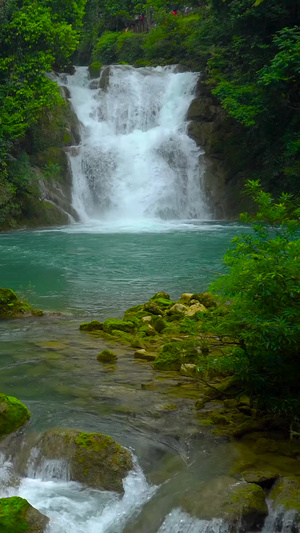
(135,161)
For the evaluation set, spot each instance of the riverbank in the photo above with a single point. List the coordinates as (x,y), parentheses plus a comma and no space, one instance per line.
(172,421)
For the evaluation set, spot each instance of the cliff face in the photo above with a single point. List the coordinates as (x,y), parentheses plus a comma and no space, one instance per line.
(41,163)
(221,137)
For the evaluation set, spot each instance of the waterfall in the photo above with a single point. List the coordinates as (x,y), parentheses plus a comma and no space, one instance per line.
(135,161)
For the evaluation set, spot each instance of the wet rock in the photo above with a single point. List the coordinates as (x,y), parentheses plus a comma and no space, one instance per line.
(263,478)
(107,356)
(286,492)
(18,516)
(13,414)
(245,507)
(241,505)
(142,354)
(94,69)
(94,459)
(104,78)
(94,325)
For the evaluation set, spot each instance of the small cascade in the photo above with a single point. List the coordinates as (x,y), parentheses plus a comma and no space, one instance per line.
(136,161)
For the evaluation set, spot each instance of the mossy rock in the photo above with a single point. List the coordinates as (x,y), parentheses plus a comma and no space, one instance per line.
(159,323)
(134,314)
(94,69)
(153,308)
(94,325)
(245,507)
(241,505)
(18,516)
(161,294)
(286,492)
(112,324)
(107,356)
(13,414)
(173,354)
(205,298)
(263,478)
(12,307)
(94,459)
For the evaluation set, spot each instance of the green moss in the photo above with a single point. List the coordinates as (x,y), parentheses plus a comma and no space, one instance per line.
(112,324)
(12,515)
(205,422)
(159,323)
(164,303)
(286,492)
(11,306)
(173,354)
(94,69)
(161,294)
(91,326)
(101,460)
(107,356)
(205,298)
(13,414)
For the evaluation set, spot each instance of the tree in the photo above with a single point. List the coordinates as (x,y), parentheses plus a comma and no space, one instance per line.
(262,297)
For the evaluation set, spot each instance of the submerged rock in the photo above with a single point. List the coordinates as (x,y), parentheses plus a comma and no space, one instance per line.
(13,414)
(94,459)
(12,307)
(107,356)
(18,516)
(241,505)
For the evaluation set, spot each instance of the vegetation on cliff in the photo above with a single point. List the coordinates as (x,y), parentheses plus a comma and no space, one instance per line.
(35,37)
(257,84)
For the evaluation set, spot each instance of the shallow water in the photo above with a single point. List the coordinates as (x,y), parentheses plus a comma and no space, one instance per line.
(50,365)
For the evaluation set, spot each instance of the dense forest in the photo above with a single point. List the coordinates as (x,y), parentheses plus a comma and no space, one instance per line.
(246,50)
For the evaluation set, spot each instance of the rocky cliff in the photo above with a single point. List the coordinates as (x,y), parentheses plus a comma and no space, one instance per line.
(226,154)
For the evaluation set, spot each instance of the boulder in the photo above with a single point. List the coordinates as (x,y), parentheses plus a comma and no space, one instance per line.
(263,478)
(104,78)
(286,493)
(178,309)
(241,505)
(195,308)
(185,298)
(13,414)
(94,459)
(107,356)
(205,298)
(94,70)
(146,319)
(245,508)
(18,516)
(153,308)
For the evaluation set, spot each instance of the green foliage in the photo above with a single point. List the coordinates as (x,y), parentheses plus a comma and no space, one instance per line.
(35,36)
(263,287)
